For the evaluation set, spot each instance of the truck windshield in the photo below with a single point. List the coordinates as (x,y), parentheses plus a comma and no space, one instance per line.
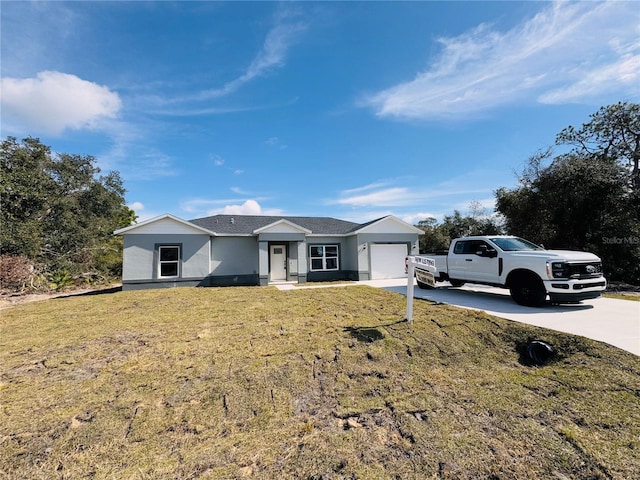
(515,244)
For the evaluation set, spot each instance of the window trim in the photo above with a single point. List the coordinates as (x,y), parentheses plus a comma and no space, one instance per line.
(158,263)
(470,247)
(324,257)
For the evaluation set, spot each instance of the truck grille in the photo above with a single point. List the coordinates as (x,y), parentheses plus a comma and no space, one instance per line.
(580,286)
(585,270)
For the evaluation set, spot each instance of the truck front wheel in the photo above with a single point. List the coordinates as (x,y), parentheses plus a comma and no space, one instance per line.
(528,290)
(456,283)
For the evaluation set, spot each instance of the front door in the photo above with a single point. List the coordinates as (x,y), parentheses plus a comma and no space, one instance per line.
(278,260)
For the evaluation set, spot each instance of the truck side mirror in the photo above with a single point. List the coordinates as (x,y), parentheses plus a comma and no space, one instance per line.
(484,252)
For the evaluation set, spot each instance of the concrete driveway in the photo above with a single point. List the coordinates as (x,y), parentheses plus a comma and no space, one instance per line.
(616,322)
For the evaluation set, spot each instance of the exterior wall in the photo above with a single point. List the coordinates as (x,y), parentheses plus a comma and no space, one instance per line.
(139,260)
(345,256)
(234,261)
(350,257)
(234,256)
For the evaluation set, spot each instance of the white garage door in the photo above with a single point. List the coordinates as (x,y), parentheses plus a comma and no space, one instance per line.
(387,261)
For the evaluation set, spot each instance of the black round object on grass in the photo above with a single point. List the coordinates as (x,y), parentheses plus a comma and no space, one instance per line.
(540,352)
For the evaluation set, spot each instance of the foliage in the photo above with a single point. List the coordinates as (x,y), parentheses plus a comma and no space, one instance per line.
(58,209)
(586,199)
(612,134)
(438,236)
(60,279)
(433,238)
(17,272)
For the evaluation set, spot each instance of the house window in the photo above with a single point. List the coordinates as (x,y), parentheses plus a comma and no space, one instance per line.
(168,261)
(324,257)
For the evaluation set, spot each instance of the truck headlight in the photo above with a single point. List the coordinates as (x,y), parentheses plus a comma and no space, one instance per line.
(557,270)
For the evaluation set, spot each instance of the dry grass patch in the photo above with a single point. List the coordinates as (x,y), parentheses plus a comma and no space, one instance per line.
(326,383)
(632,296)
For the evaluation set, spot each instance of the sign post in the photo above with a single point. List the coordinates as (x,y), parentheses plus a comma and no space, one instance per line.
(424,274)
(411,268)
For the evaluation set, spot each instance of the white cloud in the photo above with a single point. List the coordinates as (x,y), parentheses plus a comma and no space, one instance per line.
(388,196)
(207,207)
(377,195)
(133,158)
(250,207)
(142,213)
(53,102)
(606,79)
(414,218)
(197,205)
(568,52)
(272,54)
(364,188)
(275,142)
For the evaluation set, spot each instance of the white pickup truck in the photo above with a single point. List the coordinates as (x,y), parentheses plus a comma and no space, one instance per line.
(528,270)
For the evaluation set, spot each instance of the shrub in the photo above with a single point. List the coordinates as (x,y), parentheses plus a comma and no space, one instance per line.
(60,279)
(17,272)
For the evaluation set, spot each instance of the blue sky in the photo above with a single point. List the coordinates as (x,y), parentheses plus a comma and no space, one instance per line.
(353,110)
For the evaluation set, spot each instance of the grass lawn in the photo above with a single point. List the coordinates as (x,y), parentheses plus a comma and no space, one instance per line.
(325,383)
(623,296)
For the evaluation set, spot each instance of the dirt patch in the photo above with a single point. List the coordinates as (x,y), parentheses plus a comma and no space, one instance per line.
(9,299)
(314,384)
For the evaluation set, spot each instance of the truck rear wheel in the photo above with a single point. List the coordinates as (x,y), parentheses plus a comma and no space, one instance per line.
(528,290)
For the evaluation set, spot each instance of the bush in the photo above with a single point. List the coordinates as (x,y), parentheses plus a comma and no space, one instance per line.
(17,272)
(60,279)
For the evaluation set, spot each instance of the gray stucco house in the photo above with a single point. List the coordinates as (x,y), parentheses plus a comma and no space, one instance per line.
(167,251)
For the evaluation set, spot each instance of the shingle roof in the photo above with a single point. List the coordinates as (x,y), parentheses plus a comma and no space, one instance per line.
(247,224)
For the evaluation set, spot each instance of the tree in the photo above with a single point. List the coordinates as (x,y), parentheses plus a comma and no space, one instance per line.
(57,209)
(438,236)
(433,238)
(586,199)
(24,191)
(613,134)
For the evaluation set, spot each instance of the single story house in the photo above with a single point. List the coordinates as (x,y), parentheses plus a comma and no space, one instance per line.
(223,250)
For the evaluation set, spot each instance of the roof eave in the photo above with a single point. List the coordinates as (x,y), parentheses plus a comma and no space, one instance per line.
(125,230)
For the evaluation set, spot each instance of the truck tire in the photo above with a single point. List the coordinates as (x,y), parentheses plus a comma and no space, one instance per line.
(528,290)
(424,286)
(456,283)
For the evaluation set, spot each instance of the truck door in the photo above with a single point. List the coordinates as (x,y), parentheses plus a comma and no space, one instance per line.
(457,264)
(484,261)
(473,260)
